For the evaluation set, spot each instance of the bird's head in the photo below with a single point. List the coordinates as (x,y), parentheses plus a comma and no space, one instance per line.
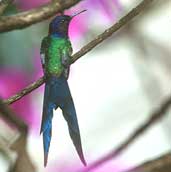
(60,24)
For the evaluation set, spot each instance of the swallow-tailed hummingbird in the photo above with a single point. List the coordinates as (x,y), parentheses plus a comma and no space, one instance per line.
(56,53)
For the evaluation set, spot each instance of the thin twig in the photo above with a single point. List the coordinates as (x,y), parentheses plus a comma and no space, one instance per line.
(107,33)
(25,91)
(154,117)
(160,164)
(25,19)
(123,21)
(4,4)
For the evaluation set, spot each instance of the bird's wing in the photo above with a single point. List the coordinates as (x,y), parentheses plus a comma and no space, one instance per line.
(43,50)
(66,53)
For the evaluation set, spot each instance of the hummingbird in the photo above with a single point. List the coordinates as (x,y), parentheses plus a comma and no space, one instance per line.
(56,50)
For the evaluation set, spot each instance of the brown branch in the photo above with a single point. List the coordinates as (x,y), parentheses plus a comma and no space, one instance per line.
(4,4)
(154,117)
(25,19)
(25,91)
(9,116)
(107,33)
(160,164)
(23,161)
(100,38)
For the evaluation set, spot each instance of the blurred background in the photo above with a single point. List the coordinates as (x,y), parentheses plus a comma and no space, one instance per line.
(115,86)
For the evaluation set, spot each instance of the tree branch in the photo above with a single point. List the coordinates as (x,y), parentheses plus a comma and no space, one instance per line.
(25,91)
(154,117)
(160,164)
(4,4)
(23,161)
(100,38)
(107,33)
(25,19)
(9,116)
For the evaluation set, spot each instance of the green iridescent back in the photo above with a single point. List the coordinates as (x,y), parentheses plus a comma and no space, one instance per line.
(54,48)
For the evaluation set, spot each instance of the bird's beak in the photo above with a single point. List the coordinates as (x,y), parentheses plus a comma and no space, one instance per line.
(77,14)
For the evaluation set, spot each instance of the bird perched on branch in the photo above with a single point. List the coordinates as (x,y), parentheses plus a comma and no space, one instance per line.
(56,53)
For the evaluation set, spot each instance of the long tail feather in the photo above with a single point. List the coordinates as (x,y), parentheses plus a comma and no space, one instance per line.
(70,116)
(46,143)
(46,126)
(74,134)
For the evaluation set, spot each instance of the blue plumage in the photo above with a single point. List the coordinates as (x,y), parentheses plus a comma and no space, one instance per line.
(57,94)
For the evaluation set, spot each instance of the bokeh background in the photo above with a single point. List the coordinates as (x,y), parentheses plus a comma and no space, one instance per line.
(115,86)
